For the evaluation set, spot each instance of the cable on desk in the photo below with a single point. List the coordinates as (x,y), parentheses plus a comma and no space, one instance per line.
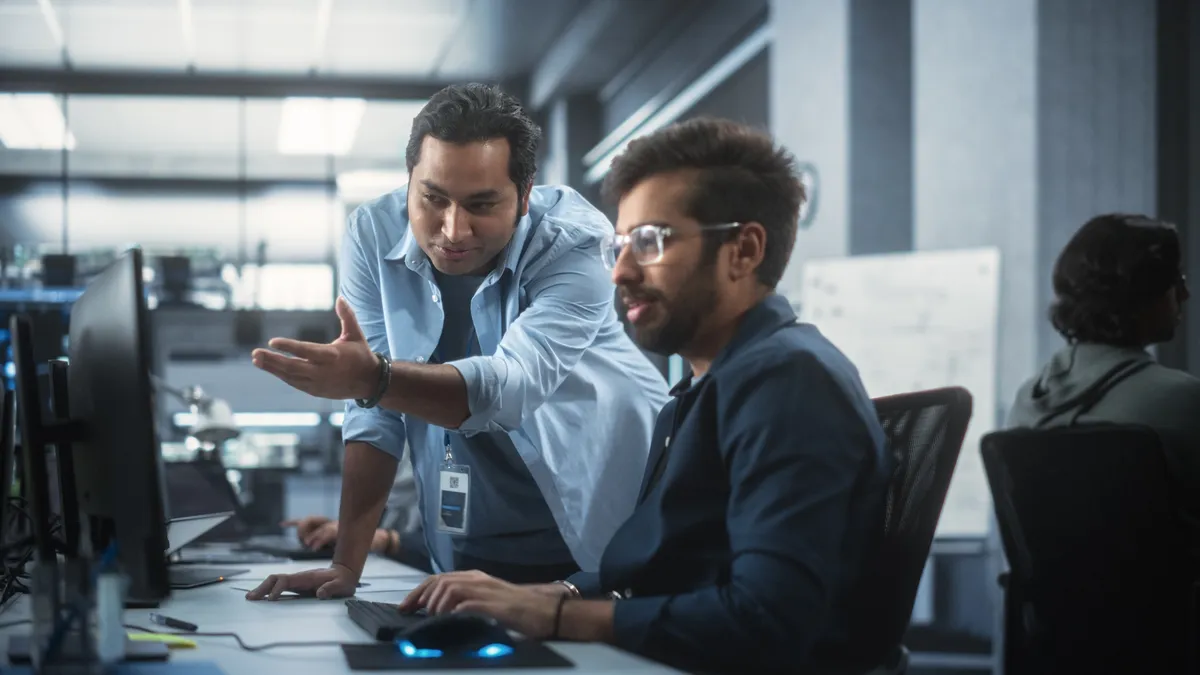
(238,638)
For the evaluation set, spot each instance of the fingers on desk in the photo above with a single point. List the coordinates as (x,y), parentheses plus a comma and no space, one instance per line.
(271,588)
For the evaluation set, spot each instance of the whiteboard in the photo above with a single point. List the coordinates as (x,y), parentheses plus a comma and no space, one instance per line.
(914,321)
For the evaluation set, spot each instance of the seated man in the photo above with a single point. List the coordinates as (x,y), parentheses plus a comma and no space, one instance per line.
(764,491)
(1119,288)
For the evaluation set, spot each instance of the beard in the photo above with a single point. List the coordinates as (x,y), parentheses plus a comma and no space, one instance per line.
(679,318)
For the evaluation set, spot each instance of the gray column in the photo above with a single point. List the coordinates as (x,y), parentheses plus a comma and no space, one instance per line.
(1178,146)
(809,115)
(881,126)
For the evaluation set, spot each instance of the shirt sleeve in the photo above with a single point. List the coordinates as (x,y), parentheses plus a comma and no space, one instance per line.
(359,275)
(569,301)
(793,466)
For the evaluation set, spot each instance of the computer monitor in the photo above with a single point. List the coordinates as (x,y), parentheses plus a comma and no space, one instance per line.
(118,469)
(36,482)
(8,438)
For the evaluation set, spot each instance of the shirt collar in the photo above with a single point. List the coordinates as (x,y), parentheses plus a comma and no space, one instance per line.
(770,313)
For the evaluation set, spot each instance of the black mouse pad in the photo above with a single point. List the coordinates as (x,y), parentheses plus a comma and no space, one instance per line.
(386,656)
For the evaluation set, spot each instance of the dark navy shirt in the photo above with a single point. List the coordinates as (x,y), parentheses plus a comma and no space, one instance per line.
(508,520)
(763,495)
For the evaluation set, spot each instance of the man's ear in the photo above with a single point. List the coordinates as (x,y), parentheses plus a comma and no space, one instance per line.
(523,210)
(747,251)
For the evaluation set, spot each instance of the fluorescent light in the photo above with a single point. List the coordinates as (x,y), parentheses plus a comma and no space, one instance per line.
(33,122)
(321,31)
(336,419)
(189,35)
(364,185)
(52,23)
(259,420)
(688,98)
(319,126)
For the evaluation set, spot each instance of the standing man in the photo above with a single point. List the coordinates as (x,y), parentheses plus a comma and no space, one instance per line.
(478,323)
(764,492)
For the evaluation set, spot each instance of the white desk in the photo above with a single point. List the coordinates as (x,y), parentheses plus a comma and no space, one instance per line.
(220,608)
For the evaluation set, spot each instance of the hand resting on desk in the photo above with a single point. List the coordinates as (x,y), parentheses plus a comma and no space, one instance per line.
(335,581)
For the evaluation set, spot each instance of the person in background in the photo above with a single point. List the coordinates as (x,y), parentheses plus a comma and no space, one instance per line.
(765,488)
(478,325)
(1119,288)
(399,534)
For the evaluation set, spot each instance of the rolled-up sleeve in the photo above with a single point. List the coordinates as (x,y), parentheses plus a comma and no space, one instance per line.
(359,275)
(569,300)
(793,467)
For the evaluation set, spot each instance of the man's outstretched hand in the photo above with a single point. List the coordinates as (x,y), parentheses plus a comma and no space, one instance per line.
(335,581)
(343,369)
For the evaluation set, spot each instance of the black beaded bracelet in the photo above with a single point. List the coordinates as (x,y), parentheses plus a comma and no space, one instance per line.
(385,378)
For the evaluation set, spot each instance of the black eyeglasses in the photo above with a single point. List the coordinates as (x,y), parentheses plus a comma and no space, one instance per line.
(647,242)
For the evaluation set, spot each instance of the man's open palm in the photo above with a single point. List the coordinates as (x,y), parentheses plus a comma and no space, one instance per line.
(343,369)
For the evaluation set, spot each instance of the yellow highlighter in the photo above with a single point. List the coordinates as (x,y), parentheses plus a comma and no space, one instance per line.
(171,641)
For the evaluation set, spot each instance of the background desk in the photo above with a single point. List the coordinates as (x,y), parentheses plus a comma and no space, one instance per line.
(220,608)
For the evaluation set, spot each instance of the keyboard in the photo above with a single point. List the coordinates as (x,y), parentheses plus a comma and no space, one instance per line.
(285,547)
(381,620)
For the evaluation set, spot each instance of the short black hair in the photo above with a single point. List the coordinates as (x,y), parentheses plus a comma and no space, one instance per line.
(1113,268)
(469,113)
(741,175)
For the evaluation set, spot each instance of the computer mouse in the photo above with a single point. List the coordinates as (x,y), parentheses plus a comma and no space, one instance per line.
(455,634)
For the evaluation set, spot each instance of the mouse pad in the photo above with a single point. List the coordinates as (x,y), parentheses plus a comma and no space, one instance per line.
(386,656)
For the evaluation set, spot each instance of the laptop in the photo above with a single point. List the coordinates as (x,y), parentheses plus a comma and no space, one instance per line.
(184,531)
(201,488)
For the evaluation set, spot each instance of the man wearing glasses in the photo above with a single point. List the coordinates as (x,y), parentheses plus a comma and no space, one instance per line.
(478,325)
(764,491)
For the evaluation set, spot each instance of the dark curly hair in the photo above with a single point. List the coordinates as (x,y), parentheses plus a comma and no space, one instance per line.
(467,113)
(1114,267)
(741,176)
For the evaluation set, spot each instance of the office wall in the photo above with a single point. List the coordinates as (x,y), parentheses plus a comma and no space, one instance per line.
(809,101)
(1096,124)
(975,148)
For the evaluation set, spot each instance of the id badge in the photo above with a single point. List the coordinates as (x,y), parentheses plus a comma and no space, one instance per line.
(454,499)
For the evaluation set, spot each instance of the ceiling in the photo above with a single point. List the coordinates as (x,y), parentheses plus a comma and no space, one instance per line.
(200,138)
(434,39)
(157,169)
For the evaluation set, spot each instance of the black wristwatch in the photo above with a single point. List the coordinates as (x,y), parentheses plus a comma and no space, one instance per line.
(385,378)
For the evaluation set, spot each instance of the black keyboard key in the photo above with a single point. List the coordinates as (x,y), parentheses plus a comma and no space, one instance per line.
(382,621)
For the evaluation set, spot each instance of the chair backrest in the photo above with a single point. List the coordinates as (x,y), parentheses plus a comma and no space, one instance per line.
(1098,555)
(924,431)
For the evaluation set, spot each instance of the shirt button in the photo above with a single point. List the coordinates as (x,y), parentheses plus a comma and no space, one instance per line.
(435,297)
(420,359)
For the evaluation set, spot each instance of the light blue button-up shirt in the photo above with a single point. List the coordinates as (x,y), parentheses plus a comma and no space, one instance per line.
(557,373)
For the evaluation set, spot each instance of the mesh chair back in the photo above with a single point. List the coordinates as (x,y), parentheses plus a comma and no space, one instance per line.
(1099,578)
(925,432)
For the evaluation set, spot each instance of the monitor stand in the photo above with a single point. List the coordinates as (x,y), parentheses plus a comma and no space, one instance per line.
(77,651)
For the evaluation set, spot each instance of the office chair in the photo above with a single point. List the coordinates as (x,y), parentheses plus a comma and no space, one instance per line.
(925,432)
(1100,578)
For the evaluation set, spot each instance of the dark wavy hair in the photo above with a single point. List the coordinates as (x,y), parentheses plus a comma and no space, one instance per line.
(468,113)
(1114,267)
